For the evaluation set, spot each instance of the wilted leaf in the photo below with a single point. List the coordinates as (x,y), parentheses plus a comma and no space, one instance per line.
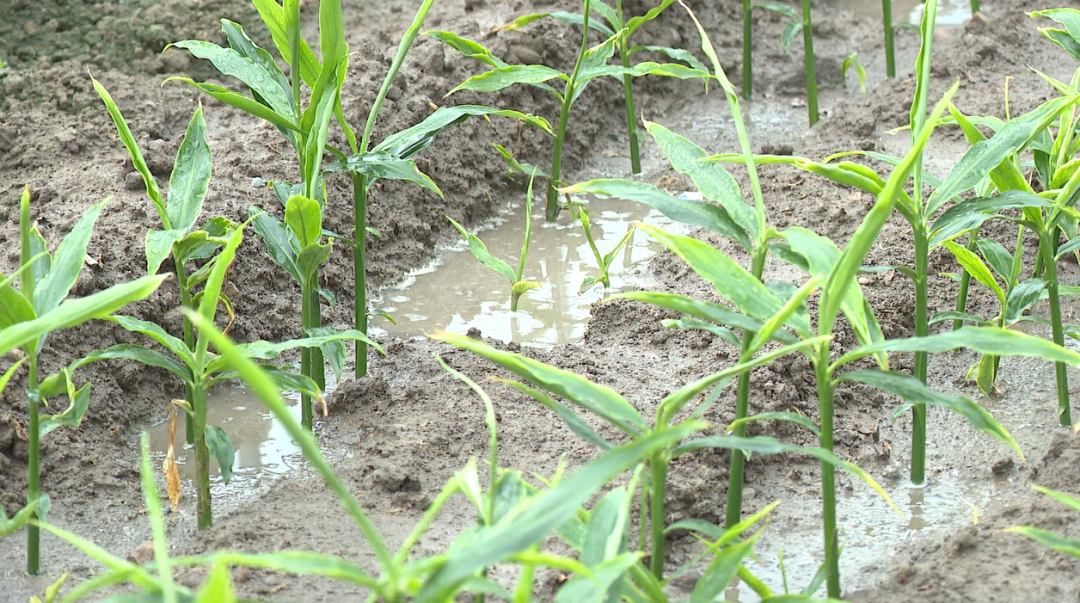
(168,467)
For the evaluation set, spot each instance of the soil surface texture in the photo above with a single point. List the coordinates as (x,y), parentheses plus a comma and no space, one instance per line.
(399,434)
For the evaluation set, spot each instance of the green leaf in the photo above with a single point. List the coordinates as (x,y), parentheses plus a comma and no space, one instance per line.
(693,324)
(202,244)
(8,374)
(1070,18)
(976,268)
(316,125)
(915,391)
(984,340)
(985,156)
(712,180)
(504,77)
(218,587)
(595,587)
(1070,247)
(534,519)
(851,259)
(467,47)
(767,446)
(998,257)
(1061,497)
(968,215)
(72,416)
(565,17)
(1050,540)
(14,308)
(67,262)
(76,311)
(241,43)
(383,165)
(253,73)
(694,213)
(480,251)
(158,334)
(408,142)
(138,353)
(597,399)
(704,311)
(333,350)
(853,61)
(38,249)
(790,417)
(972,318)
(722,571)
(212,291)
(605,534)
(128,139)
(297,563)
(159,246)
(779,8)
(190,176)
(221,448)
(265,350)
(245,104)
(1021,297)
(576,425)
(304,217)
(678,54)
(273,16)
(730,280)
(280,242)
(21,517)
(787,36)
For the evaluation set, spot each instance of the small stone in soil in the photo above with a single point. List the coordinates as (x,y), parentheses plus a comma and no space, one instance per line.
(1003,466)
(144,553)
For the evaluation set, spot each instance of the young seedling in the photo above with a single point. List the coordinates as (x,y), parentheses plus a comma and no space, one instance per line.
(591,63)
(798,23)
(178,238)
(602,261)
(200,370)
(615,21)
(38,307)
(518,285)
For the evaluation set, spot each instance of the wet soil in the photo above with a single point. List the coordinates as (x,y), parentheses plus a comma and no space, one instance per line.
(397,435)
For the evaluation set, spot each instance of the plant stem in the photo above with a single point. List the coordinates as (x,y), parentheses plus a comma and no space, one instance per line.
(975,6)
(918,411)
(293,21)
(628,92)
(318,365)
(828,475)
(202,457)
(742,406)
(1048,250)
(189,339)
(564,115)
(360,270)
(305,357)
(890,55)
(658,464)
(747,49)
(811,78)
(965,282)
(33,491)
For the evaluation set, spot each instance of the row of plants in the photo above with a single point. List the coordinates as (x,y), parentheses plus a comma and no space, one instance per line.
(764,320)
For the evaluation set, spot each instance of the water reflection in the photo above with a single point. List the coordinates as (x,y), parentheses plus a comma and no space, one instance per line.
(950,12)
(458,293)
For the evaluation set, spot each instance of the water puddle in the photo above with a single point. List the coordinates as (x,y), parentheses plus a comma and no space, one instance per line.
(264,450)
(950,12)
(871,533)
(456,292)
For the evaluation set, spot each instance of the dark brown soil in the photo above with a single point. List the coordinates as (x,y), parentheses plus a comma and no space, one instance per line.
(404,430)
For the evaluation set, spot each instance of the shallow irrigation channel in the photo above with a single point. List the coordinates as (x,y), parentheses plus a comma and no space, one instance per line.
(456,293)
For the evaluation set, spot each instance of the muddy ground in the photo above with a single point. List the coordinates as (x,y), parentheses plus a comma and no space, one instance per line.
(403,431)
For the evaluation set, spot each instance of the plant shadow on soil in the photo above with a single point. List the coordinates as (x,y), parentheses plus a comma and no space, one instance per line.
(398,434)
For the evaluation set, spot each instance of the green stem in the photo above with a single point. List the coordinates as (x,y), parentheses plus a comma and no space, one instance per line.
(295,76)
(890,55)
(628,93)
(975,6)
(747,49)
(305,357)
(965,282)
(202,457)
(1048,250)
(564,115)
(811,78)
(33,534)
(189,339)
(828,475)
(918,411)
(742,410)
(658,465)
(360,269)
(318,365)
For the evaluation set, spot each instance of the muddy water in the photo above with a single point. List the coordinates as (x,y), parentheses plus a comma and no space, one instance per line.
(950,12)
(456,292)
(870,533)
(264,450)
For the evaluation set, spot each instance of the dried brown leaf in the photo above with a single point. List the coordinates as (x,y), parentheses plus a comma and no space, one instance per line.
(169,468)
